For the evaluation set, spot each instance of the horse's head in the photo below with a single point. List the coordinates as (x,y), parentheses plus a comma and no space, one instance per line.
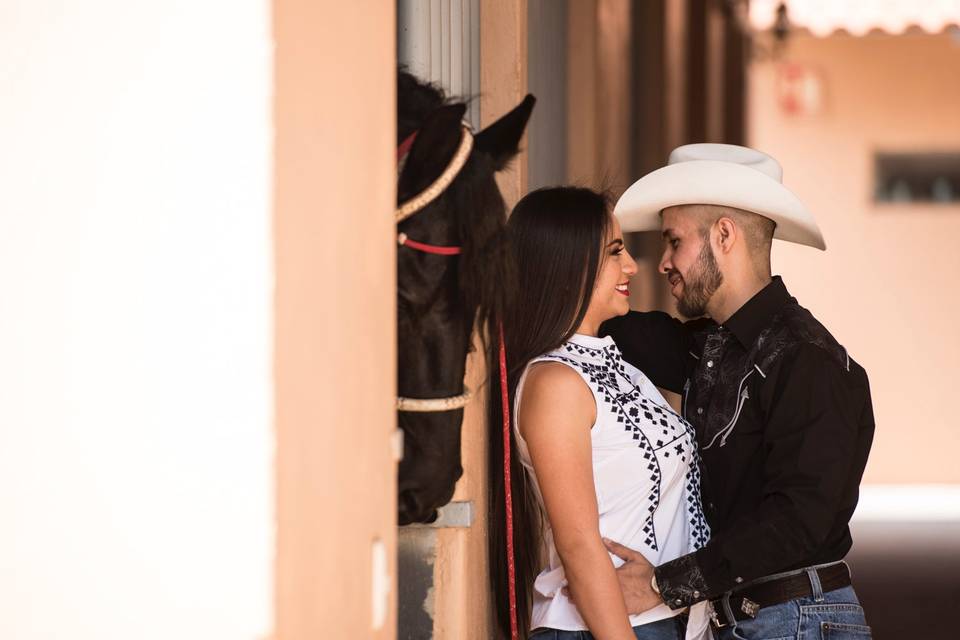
(441,295)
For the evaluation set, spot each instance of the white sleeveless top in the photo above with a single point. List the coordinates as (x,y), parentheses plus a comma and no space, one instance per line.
(645,472)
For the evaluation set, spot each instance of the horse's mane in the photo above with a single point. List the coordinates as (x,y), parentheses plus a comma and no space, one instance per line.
(415,101)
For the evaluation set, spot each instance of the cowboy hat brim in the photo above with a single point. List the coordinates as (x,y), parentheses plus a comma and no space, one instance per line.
(718,183)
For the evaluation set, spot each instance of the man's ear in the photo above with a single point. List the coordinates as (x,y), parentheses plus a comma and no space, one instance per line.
(501,140)
(727,233)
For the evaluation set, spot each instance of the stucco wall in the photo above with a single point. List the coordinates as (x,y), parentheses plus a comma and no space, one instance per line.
(887,285)
(335,243)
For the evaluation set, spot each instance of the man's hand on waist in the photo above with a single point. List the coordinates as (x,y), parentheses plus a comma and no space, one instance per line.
(636,579)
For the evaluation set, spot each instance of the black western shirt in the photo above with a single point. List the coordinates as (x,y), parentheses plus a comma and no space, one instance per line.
(785,423)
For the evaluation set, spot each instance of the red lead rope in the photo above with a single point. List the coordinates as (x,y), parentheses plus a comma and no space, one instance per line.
(507,490)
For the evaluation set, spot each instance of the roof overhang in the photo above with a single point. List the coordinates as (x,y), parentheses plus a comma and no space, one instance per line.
(859,17)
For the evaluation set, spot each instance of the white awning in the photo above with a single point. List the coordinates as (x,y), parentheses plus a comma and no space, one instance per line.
(858,17)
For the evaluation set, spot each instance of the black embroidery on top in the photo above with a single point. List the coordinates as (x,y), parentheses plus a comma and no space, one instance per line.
(607,377)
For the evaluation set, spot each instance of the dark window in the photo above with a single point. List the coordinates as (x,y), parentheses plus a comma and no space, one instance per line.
(917,177)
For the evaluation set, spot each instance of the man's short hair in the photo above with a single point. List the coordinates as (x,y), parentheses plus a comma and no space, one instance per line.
(758,230)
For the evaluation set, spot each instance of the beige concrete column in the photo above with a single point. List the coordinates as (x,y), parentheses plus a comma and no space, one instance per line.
(503,76)
(335,318)
(675,72)
(462,607)
(716,47)
(614,102)
(582,87)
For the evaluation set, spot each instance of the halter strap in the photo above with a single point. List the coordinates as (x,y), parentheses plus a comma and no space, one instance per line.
(436,250)
(439,185)
(434,405)
(404,147)
(406,210)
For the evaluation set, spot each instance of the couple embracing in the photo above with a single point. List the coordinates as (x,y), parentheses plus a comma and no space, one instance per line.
(727,519)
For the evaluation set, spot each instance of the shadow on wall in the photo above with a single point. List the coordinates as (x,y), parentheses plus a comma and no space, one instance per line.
(907,575)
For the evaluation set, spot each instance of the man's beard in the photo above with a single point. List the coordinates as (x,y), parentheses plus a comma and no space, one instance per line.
(700,284)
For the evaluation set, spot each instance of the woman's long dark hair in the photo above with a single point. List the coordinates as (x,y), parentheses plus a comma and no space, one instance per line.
(557,236)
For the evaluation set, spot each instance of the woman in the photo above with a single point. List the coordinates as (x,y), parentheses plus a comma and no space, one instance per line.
(595,447)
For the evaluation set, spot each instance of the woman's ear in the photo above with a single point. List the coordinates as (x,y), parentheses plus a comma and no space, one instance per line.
(501,140)
(433,149)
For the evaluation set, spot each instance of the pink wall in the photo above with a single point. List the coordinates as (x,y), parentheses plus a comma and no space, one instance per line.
(335,318)
(886,287)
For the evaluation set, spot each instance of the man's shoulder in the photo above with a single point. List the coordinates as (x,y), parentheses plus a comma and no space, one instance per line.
(795,331)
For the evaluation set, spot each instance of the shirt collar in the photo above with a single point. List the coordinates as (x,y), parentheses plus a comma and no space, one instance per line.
(755,315)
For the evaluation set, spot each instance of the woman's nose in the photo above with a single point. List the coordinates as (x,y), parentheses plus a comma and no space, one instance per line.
(630,265)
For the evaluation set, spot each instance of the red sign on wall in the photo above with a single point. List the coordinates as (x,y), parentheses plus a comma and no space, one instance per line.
(799,89)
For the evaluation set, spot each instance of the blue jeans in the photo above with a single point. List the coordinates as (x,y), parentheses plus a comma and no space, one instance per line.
(669,629)
(835,615)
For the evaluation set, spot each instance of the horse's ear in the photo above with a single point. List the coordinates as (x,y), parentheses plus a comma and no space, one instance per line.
(433,149)
(501,140)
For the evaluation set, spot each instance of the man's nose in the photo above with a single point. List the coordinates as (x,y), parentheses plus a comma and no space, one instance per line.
(665,264)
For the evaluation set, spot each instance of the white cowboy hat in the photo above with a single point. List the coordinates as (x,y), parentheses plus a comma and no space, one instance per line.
(720,174)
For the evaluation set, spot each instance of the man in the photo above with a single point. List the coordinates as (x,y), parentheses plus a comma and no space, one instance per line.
(783,414)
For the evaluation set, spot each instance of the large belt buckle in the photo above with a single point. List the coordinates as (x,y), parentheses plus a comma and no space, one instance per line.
(749,607)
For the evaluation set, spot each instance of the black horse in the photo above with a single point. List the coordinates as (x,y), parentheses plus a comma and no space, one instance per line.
(442,296)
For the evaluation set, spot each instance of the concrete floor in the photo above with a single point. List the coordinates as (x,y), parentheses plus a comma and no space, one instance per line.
(908,578)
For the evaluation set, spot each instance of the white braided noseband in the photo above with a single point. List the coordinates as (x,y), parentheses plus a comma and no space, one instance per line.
(416,405)
(431,193)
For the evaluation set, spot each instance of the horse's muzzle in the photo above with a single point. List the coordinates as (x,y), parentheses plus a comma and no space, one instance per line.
(411,508)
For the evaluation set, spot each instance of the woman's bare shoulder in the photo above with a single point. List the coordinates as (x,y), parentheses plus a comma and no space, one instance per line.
(553,389)
(553,378)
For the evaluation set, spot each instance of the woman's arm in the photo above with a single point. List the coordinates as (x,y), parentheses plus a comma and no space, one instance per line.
(556,413)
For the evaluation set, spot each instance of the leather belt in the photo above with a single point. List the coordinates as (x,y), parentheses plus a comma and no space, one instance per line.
(747,601)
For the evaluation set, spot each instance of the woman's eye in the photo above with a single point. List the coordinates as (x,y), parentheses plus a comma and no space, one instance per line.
(618,251)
